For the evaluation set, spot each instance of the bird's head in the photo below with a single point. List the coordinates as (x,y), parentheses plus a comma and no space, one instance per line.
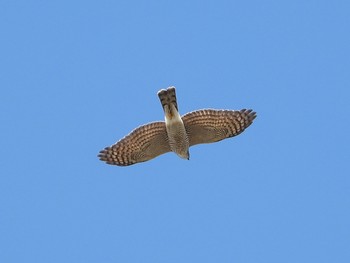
(184,155)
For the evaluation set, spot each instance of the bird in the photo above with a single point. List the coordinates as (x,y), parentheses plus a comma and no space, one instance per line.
(176,133)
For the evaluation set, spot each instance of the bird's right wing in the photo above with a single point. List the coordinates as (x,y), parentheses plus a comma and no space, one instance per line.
(142,144)
(209,125)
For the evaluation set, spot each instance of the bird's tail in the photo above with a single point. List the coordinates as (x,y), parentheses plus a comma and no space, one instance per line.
(168,97)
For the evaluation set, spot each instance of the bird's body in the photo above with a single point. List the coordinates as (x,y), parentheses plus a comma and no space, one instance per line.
(177,136)
(177,133)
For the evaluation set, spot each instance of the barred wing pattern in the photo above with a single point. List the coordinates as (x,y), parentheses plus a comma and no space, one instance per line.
(209,125)
(142,144)
(177,133)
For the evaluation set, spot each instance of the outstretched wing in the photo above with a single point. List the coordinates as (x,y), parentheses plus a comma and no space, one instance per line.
(208,125)
(142,144)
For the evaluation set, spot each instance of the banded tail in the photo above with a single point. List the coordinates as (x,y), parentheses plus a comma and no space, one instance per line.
(168,97)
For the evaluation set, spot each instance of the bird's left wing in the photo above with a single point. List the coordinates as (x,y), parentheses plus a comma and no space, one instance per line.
(142,144)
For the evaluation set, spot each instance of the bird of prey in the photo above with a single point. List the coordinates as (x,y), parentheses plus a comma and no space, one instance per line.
(177,133)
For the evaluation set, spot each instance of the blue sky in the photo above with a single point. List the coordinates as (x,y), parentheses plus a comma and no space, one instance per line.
(77,76)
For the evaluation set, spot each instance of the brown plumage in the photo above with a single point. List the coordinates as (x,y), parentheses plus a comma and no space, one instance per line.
(177,133)
(209,125)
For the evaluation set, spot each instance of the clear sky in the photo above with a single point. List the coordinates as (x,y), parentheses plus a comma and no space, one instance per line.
(77,76)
